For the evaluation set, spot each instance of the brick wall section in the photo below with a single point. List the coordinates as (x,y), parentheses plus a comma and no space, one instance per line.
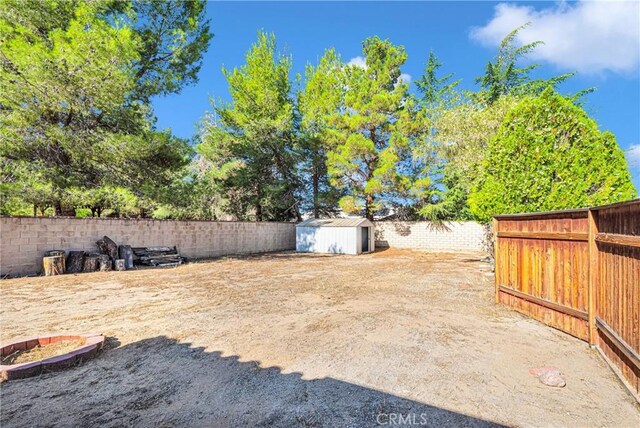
(453,236)
(24,240)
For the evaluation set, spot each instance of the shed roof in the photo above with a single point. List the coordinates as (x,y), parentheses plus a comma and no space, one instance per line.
(335,222)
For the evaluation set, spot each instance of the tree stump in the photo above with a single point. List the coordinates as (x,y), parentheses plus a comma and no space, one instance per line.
(104,263)
(107,246)
(53,265)
(75,261)
(90,263)
(126,254)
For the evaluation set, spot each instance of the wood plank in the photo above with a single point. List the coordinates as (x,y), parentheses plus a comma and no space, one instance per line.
(556,236)
(593,275)
(497,263)
(619,239)
(580,212)
(546,303)
(622,346)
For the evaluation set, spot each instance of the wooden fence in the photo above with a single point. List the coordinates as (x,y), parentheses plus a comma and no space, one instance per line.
(577,271)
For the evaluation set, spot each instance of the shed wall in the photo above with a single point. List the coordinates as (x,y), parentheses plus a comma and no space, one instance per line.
(333,240)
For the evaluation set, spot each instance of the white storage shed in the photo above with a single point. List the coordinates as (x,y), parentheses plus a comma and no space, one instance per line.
(335,236)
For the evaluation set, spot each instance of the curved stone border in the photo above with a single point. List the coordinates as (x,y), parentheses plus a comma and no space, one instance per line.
(93,344)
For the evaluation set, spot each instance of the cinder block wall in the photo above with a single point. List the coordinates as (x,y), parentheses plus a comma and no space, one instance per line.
(24,240)
(451,236)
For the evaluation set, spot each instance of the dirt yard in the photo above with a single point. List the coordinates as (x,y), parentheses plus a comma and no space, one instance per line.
(392,338)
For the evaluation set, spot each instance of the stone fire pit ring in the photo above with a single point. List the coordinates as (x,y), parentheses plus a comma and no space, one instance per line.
(93,344)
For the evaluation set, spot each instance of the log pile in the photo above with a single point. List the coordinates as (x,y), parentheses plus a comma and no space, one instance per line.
(110,257)
(157,256)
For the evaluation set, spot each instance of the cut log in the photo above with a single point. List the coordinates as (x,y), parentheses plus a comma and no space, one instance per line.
(107,246)
(104,263)
(126,253)
(75,261)
(53,265)
(90,263)
(120,264)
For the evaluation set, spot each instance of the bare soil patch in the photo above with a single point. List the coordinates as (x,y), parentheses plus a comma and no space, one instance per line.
(302,340)
(42,352)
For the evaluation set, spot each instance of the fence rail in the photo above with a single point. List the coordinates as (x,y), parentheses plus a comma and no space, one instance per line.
(577,271)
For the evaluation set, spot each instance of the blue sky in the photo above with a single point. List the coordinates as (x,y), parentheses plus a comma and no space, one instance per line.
(599,40)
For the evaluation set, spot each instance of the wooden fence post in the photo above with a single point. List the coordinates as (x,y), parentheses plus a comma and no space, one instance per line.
(594,277)
(495,258)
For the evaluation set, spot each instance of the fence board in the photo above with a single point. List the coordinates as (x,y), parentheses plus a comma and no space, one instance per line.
(545,261)
(577,271)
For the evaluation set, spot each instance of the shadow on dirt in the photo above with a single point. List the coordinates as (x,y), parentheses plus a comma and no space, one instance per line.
(161,382)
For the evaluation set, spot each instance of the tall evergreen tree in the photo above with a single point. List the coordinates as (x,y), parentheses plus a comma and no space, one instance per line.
(320,98)
(503,76)
(173,34)
(72,111)
(250,142)
(437,91)
(370,137)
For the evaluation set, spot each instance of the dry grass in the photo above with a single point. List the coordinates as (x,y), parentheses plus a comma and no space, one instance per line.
(302,340)
(41,352)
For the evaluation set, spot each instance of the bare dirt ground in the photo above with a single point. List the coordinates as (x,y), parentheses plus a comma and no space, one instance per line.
(302,340)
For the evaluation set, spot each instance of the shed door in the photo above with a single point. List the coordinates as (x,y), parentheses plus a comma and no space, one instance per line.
(365,239)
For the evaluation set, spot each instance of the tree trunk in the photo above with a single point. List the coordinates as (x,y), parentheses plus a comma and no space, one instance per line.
(108,247)
(53,265)
(104,263)
(368,207)
(258,211)
(75,261)
(316,190)
(63,211)
(90,263)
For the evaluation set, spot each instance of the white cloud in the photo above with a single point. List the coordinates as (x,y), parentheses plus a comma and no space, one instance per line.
(633,156)
(405,77)
(358,61)
(589,37)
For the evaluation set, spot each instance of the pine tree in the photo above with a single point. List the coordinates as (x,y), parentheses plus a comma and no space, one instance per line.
(250,142)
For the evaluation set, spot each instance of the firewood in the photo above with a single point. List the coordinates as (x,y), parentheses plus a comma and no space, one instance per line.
(53,265)
(75,261)
(157,256)
(90,263)
(107,246)
(104,263)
